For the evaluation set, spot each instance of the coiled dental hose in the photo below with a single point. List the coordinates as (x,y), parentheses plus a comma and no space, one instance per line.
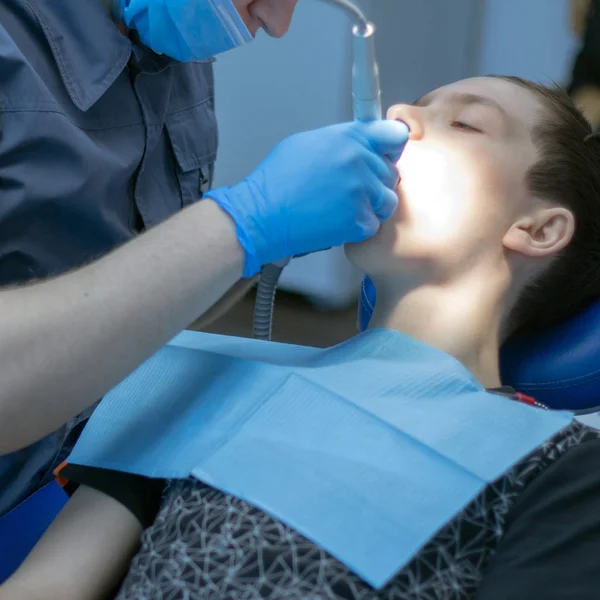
(265,298)
(367,107)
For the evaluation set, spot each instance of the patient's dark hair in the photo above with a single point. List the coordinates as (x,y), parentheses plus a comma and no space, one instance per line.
(567,173)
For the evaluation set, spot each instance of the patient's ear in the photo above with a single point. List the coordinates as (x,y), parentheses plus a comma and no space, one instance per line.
(542,233)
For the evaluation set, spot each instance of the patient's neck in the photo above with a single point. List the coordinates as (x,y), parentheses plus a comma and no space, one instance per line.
(461,319)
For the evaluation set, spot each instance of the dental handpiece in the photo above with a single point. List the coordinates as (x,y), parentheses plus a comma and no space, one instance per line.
(365,75)
(365,72)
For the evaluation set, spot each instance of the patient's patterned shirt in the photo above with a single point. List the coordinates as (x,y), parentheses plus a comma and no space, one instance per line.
(533,534)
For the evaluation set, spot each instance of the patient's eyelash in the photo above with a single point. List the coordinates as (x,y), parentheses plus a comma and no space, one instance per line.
(464,126)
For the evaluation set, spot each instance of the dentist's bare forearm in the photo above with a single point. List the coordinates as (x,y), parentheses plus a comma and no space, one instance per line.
(64,343)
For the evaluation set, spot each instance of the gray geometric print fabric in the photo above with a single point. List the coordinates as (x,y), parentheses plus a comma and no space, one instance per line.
(208,545)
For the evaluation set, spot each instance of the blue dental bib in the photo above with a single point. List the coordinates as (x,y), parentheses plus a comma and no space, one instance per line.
(367,448)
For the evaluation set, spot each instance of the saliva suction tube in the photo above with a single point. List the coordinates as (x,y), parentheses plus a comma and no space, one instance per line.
(367,107)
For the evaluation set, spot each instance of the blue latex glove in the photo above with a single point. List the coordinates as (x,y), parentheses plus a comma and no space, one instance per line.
(315,190)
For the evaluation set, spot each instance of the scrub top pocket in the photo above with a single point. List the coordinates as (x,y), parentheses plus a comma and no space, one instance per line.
(193,136)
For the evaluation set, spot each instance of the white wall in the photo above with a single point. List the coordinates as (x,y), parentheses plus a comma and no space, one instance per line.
(423,44)
(527,38)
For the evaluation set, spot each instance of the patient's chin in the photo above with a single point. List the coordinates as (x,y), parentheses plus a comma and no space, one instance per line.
(352,250)
(365,255)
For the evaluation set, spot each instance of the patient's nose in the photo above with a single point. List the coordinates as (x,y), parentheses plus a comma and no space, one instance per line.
(409,115)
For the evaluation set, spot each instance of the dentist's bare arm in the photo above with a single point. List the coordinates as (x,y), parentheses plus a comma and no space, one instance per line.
(64,343)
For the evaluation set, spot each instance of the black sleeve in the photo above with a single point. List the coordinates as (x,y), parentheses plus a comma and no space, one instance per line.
(141,495)
(551,549)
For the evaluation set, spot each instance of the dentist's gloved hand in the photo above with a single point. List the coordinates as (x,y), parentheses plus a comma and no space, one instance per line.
(315,190)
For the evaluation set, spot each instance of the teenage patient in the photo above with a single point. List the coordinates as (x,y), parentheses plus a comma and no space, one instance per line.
(497,234)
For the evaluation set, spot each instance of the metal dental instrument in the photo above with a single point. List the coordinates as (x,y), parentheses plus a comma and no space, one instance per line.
(367,107)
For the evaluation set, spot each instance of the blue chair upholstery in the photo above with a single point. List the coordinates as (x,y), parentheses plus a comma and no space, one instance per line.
(24,525)
(559,367)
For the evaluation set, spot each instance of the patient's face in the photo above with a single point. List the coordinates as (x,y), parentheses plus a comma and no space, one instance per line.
(462,179)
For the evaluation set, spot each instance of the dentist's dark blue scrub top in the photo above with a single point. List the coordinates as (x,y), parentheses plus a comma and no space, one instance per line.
(99,139)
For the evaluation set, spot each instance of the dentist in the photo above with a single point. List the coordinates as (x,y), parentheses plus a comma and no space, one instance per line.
(105,136)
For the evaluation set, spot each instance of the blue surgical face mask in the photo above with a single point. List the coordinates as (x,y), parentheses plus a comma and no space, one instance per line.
(186,30)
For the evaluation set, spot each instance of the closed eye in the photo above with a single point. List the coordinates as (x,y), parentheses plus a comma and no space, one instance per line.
(465,127)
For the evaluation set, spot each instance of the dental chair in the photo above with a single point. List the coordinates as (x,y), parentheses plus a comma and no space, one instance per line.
(24,525)
(559,368)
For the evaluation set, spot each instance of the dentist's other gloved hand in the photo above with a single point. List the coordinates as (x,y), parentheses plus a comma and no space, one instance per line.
(316,190)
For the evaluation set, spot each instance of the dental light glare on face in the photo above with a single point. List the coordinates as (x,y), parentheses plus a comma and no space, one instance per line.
(367,107)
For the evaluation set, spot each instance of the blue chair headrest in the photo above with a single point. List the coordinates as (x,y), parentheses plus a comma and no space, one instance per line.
(559,367)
